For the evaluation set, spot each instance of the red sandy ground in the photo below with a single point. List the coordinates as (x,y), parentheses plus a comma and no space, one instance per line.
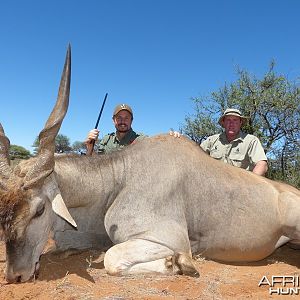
(82,277)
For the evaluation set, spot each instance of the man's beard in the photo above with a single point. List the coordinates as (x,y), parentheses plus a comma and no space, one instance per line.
(122,128)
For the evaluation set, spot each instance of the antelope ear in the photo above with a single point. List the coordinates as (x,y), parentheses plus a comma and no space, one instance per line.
(59,207)
(51,189)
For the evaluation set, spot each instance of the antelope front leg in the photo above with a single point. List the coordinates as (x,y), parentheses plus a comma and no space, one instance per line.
(141,256)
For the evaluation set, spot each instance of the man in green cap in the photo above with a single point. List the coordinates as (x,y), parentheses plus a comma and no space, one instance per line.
(235,147)
(123,136)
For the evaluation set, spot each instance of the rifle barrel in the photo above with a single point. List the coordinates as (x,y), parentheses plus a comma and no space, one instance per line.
(92,144)
(101,110)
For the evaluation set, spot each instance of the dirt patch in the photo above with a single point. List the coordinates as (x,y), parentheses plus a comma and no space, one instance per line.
(82,277)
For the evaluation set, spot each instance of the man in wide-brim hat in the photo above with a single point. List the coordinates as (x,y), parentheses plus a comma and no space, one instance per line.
(232,112)
(236,147)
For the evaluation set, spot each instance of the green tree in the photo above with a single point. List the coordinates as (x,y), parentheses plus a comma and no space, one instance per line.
(273,106)
(18,152)
(79,147)
(62,144)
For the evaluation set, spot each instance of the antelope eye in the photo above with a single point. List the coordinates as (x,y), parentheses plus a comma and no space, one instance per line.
(39,211)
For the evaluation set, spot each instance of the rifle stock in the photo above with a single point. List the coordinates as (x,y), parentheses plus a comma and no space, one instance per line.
(90,148)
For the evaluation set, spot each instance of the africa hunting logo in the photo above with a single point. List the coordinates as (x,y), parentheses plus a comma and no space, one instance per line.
(281,285)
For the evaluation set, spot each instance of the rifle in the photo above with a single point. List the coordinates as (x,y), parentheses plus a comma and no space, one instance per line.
(90,150)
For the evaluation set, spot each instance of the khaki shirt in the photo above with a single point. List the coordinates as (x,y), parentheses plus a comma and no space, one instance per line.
(110,142)
(243,152)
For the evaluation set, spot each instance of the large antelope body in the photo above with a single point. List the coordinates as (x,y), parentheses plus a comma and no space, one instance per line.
(157,201)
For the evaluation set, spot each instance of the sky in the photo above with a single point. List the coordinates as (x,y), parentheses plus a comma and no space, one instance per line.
(154,55)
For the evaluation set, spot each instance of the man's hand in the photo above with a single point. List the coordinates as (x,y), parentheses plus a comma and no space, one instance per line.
(175,133)
(261,168)
(90,141)
(92,136)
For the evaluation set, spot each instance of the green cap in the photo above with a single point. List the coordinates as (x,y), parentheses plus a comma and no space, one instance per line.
(120,107)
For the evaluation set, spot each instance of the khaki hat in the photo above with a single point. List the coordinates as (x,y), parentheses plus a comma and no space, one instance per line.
(232,112)
(120,107)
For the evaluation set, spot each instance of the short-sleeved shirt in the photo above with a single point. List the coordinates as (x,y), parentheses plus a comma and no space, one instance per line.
(244,152)
(110,142)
